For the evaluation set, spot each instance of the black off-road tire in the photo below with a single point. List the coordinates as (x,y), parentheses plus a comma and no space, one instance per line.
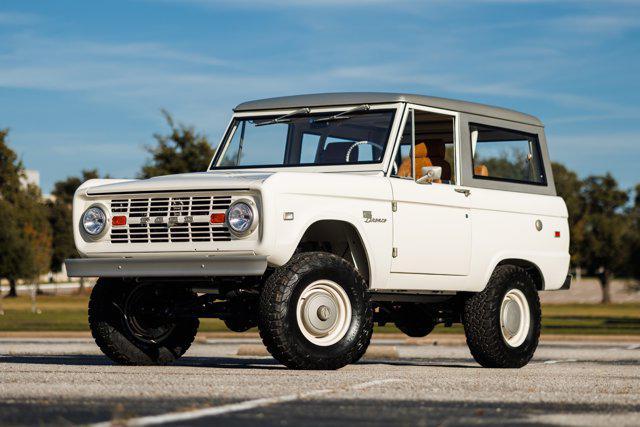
(115,339)
(481,319)
(278,323)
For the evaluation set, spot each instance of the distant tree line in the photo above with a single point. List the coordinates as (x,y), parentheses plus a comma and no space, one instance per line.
(605,227)
(36,236)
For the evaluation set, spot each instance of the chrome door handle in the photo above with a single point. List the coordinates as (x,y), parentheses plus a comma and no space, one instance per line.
(463,191)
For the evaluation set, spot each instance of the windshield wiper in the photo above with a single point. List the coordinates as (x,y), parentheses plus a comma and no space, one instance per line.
(342,116)
(282,119)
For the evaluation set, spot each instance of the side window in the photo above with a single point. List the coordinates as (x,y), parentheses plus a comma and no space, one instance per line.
(309,148)
(434,138)
(506,155)
(403,161)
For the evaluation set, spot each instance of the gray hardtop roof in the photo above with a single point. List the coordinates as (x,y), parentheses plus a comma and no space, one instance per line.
(352,98)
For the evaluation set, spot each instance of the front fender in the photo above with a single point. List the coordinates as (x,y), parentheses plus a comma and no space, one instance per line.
(313,197)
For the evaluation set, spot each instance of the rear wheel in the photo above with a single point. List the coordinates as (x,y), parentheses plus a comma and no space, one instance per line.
(132,323)
(315,313)
(502,323)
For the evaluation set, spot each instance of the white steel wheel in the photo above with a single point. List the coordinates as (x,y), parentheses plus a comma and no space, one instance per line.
(323,312)
(515,318)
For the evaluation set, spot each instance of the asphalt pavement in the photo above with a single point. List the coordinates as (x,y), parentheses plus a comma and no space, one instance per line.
(66,381)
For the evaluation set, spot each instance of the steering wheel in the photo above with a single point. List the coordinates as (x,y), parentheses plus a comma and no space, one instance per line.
(380,147)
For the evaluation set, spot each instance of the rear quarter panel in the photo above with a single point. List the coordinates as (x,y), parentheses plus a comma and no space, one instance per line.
(504,227)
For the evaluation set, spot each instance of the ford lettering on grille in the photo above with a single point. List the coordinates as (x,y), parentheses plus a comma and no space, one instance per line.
(170,219)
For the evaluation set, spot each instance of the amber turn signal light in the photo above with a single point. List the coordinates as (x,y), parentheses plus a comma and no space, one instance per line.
(119,220)
(217,218)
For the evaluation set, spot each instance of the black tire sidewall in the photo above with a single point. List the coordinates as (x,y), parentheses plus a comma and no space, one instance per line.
(277,317)
(530,343)
(114,338)
(481,318)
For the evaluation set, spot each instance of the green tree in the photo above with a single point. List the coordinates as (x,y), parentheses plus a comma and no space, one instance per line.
(11,169)
(25,236)
(60,216)
(65,189)
(181,150)
(60,219)
(603,250)
(12,245)
(569,187)
(36,232)
(632,240)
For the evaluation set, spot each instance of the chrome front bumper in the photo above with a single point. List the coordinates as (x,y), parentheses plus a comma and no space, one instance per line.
(201,266)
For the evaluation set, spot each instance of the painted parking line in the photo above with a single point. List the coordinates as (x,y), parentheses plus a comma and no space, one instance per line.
(173,417)
(553,362)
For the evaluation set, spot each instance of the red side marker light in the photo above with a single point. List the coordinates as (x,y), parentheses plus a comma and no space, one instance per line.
(557,234)
(217,218)
(119,220)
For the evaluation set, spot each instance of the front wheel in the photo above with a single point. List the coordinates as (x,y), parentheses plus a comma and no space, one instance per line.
(502,323)
(132,322)
(315,313)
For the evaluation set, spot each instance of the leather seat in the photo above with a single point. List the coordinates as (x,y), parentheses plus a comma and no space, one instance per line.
(428,154)
(481,170)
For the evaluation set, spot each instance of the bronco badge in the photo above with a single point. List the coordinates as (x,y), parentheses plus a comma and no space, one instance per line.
(368,217)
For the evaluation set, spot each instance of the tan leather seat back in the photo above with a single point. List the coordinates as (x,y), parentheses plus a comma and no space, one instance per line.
(427,154)
(481,170)
(435,155)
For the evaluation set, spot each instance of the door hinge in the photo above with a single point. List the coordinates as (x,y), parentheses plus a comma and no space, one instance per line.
(394,252)
(394,206)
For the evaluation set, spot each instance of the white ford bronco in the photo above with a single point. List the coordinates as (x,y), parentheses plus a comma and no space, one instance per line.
(322,215)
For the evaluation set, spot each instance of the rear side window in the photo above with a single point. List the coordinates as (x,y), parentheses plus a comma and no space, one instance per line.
(506,155)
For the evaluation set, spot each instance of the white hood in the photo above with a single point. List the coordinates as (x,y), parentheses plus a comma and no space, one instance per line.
(188,181)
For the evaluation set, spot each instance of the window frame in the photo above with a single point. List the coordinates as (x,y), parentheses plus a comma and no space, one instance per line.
(409,109)
(381,165)
(467,178)
(527,136)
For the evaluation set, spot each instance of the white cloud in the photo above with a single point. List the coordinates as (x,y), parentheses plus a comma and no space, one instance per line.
(144,76)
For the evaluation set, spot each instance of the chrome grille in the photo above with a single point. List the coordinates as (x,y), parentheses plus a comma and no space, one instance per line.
(169,206)
(169,219)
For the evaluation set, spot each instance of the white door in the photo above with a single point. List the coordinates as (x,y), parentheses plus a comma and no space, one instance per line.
(431,222)
(431,229)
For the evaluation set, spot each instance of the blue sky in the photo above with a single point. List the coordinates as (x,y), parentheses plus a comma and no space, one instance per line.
(82,83)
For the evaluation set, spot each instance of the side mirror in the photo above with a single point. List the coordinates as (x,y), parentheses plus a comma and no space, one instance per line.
(430,174)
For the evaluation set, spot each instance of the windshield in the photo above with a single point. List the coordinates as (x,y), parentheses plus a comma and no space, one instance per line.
(307,140)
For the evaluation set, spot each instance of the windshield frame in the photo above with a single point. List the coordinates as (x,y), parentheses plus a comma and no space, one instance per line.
(380,166)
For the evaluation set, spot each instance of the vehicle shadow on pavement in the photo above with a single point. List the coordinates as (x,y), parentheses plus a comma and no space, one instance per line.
(97,360)
(222,362)
(425,363)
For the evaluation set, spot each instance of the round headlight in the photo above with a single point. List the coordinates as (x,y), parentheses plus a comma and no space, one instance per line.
(94,220)
(240,217)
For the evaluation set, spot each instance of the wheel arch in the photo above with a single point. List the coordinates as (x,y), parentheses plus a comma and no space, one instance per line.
(341,238)
(531,267)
